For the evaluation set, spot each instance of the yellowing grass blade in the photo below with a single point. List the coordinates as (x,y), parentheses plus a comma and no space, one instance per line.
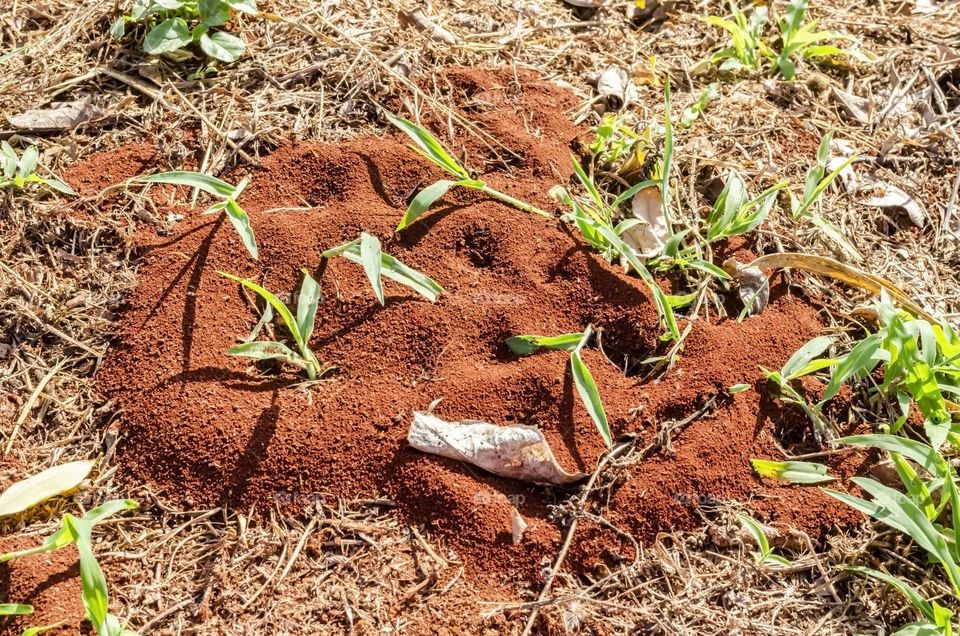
(42,486)
(844,273)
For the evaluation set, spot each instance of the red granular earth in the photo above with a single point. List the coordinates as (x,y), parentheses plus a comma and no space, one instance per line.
(208,429)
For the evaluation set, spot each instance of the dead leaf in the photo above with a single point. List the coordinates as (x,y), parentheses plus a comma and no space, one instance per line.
(60,116)
(753,287)
(518,526)
(853,106)
(612,88)
(647,237)
(518,451)
(894,197)
(419,19)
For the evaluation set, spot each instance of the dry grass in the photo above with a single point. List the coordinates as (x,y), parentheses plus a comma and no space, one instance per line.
(317,71)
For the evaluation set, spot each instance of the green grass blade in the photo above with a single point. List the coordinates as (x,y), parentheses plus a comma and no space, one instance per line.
(92,581)
(590,396)
(630,192)
(278,306)
(667,164)
(859,360)
(15,609)
(417,281)
(205,182)
(431,148)
(60,186)
(241,222)
(524,345)
(424,199)
(792,472)
(260,350)
(918,452)
(914,485)
(307,302)
(750,525)
(804,356)
(912,595)
(371,259)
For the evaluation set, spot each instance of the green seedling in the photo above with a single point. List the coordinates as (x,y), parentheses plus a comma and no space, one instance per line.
(299,326)
(692,113)
(582,378)
(938,620)
(176,24)
(800,364)
(94,591)
(366,251)
(735,213)
(430,148)
(748,49)
(816,182)
(15,609)
(19,172)
(765,555)
(221,189)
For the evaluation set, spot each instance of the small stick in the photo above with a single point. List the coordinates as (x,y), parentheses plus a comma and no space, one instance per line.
(30,402)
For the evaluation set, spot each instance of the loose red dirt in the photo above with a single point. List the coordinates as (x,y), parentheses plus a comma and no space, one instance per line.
(207,429)
(50,582)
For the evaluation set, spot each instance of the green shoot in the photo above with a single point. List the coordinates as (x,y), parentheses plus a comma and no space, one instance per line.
(792,472)
(612,140)
(582,378)
(366,251)
(430,148)
(15,609)
(227,193)
(735,213)
(748,49)
(176,24)
(93,583)
(693,112)
(19,172)
(766,554)
(939,619)
(299,326)
(802,363)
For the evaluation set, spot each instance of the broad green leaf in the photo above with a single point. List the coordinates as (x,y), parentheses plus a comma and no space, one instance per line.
(15,609)
(205,182)
(92,581)
(222,46)
(170,35)
(523,345)
(429,146)
(241,223)
(915,522)
(42,486)
(307,302)
(793,472)
(918,452)
(28,162)
(371,259)
(804,355)
(118,28)
(277,305)
(751,526)
(213,12)
(861,359)
(589,395)
(424,199)
(59,186)
(260,350)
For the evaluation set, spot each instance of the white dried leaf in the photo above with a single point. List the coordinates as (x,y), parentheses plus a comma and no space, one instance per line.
(894,197)
(46,484)
(753,286)
(647,237)
(518,526)
(856,107)
(60,116)
(518,451)
(612,88)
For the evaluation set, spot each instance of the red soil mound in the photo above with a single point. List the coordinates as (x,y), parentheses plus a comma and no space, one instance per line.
(207,428)
(50,582)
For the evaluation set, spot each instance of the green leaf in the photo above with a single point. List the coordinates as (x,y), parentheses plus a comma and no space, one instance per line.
(391,268)
(307,302)
(738,388)
(169,35)
(751,526)
(861,359)
(245,6)
(28,162)
(524,345)
(213,12)
(92,582)
(222,46)
(10,161)
(587,390)
(51,482)
(241,223)
(371,259)
(804,356)
(911,594)
(915,486)
(59,186)
(277,305)
(260,350)
(118,28)
(692,112)
(424,199)
(15,609)
(429,146)
(205,182)
(792,472)
(666,163)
